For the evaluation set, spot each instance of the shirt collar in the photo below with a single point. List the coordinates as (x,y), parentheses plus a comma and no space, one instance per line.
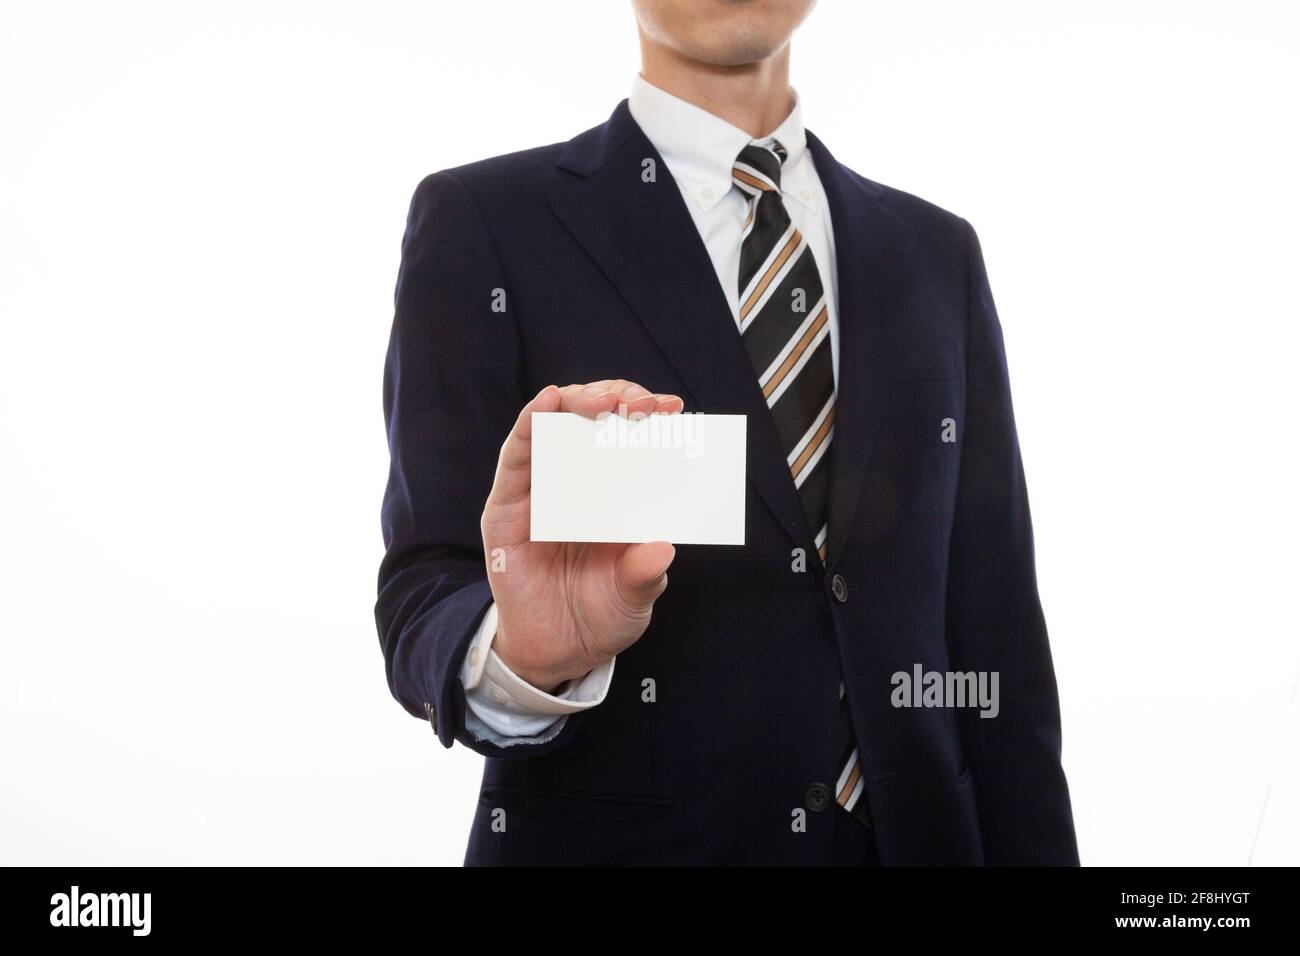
(700,148)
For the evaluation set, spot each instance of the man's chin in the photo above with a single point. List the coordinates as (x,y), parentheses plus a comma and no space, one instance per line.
(737,53)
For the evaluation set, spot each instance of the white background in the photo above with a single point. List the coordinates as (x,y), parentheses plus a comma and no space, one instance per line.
(200,213)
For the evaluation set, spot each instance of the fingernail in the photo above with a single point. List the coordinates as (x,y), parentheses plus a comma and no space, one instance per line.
(632,392)
(594,391)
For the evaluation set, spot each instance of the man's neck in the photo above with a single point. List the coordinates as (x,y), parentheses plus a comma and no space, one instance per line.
(755,97)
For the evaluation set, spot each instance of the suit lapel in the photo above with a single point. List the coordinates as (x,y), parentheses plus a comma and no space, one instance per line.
(642,237)
(874,298)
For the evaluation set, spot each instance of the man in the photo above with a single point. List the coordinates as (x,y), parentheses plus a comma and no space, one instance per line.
(701,252)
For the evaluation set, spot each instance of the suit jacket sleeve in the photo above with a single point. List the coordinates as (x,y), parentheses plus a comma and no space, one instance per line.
(994,618)
(452,390)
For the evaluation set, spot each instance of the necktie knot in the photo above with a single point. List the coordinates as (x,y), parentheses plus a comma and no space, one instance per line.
(758,168)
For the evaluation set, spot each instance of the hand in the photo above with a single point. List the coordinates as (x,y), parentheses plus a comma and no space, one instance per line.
(563,608)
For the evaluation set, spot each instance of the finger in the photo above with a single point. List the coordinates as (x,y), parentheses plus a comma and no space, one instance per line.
(668,404)
(590,400)
(514,465)
(641,572)
(612,395)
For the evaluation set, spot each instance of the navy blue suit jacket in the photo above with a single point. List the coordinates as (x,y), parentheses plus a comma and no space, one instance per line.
(605,276)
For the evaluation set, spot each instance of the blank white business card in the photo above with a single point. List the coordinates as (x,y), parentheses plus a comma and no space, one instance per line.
(677,478)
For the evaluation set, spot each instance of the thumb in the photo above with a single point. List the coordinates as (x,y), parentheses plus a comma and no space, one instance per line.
(505,518)
(641,572)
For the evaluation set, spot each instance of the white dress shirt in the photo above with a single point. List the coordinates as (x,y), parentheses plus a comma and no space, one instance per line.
(699,149)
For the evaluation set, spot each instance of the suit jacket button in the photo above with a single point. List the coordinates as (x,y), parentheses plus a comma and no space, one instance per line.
(840,588)
(817,797)
(433,716)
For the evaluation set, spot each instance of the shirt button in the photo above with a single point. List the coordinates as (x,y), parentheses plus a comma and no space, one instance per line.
(805,195)
(840,588)
(473,656)
(706,193)
(498,696)
(817,797)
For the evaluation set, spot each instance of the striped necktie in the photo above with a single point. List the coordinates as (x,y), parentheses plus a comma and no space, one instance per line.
(785,327)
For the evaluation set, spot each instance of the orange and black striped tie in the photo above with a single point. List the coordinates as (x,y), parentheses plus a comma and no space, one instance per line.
(785,326)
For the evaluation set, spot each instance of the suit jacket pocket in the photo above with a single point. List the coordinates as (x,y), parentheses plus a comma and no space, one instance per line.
(561,805)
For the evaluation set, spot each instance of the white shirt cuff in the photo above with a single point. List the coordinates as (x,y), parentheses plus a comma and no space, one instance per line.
(510,706)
